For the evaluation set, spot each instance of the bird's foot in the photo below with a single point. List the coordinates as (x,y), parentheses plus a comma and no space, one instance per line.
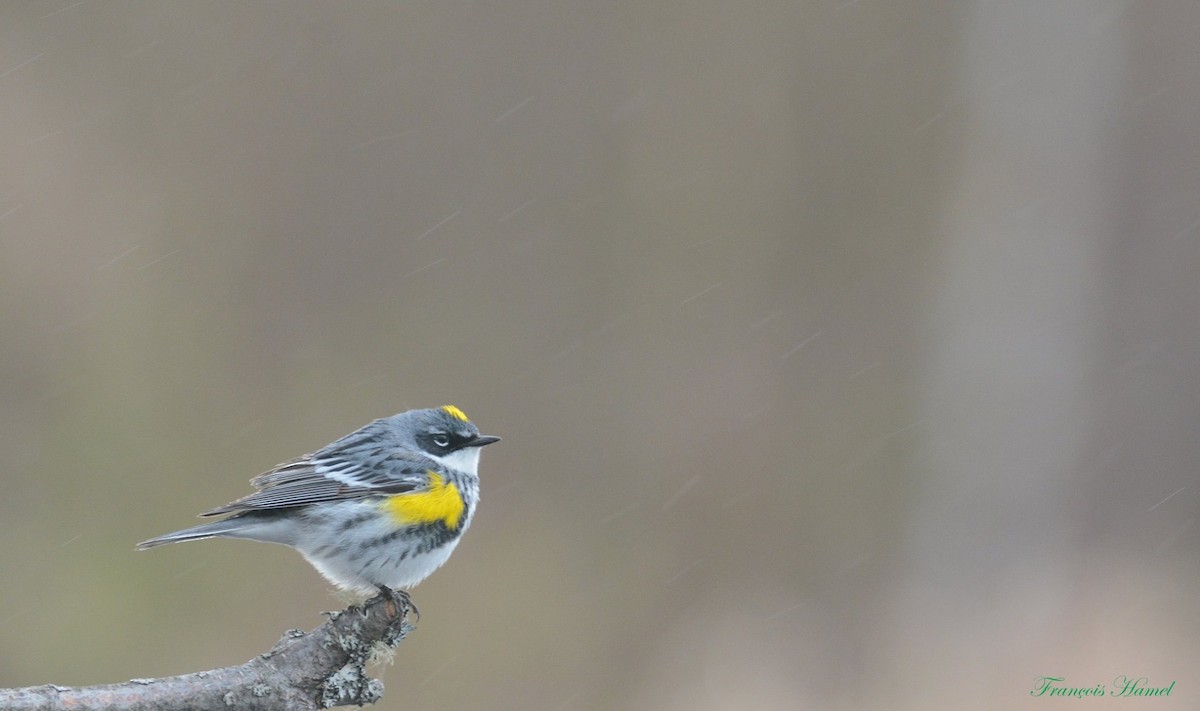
(399,598)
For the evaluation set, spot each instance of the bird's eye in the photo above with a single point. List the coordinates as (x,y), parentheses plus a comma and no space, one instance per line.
(441,440)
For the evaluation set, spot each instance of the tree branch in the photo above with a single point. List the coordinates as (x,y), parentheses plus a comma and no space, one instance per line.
(323,668)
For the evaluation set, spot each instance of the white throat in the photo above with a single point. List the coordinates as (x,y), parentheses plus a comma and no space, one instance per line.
(463,460)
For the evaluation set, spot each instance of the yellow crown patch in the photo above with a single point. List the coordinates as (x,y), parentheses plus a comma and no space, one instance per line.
(455,412)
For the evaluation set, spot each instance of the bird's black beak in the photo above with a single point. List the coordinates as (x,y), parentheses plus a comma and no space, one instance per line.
(483,440)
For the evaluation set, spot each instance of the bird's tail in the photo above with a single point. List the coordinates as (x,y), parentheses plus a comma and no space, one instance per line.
(235,527)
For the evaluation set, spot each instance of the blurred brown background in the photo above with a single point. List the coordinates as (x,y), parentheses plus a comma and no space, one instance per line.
(844,352)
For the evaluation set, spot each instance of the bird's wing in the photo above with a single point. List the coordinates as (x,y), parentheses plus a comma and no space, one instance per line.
(351,468)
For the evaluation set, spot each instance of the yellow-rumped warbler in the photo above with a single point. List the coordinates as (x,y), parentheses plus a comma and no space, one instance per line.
(383,506)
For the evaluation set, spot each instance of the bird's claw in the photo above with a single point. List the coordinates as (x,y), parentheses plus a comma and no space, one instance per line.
(399,598)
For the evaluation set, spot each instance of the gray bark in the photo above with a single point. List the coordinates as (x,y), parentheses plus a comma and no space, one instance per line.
(319,669)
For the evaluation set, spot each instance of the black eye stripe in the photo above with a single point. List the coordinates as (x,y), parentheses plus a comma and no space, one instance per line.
(444,442)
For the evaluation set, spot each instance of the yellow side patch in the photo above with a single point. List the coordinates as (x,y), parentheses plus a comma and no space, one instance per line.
(455,412)
(440,502)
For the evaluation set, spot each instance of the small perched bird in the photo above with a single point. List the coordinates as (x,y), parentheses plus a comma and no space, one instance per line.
(383,506)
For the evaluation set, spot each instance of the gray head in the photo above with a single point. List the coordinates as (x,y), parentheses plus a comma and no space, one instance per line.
(444,434)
